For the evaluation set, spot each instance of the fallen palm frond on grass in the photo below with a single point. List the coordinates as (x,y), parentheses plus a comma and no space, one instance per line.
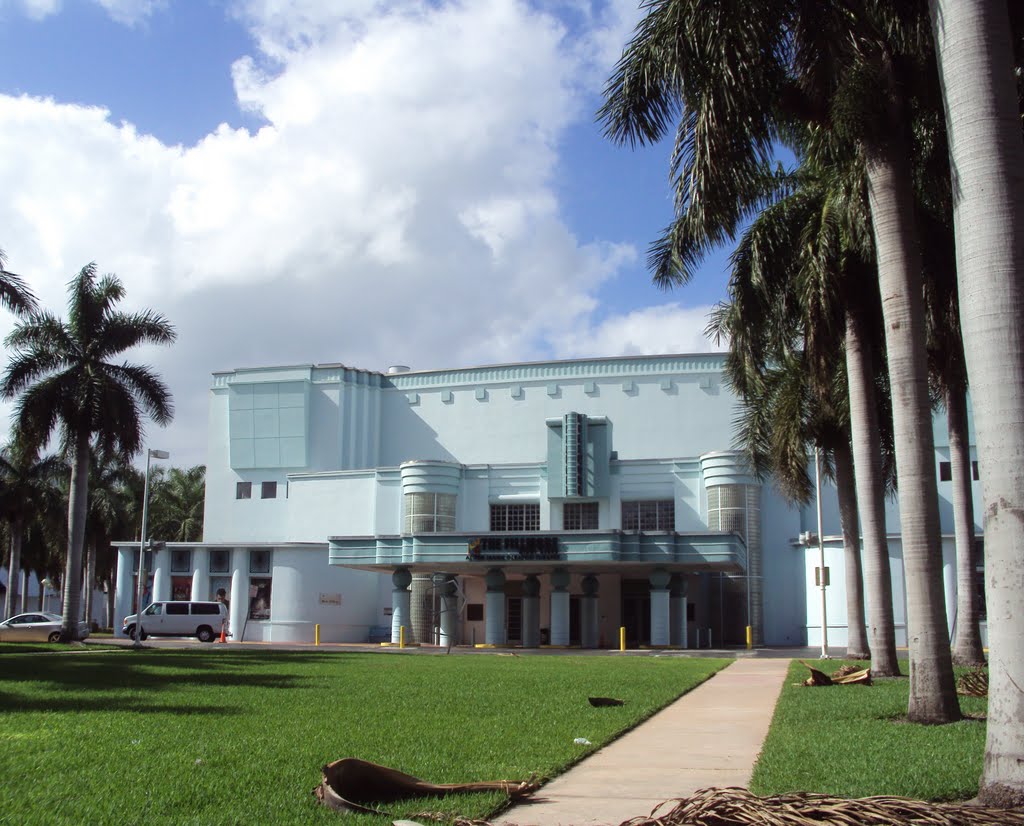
(739,807)
(973,684)
(354,785)
(845,675)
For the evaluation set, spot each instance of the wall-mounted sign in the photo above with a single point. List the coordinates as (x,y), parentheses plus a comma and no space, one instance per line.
(512,548)
(330,599)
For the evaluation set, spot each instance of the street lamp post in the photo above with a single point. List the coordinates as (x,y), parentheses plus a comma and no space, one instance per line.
(150,454)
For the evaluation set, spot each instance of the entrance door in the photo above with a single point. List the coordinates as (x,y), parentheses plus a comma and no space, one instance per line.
(636,612)
(514,619)
(575,636)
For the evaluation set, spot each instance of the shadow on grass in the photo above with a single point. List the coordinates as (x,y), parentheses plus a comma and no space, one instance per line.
(105,703)
(154,670)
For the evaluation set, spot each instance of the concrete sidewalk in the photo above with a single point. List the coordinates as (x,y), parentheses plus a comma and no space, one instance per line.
(709,737)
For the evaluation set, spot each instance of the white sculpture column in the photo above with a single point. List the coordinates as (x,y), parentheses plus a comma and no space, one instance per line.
(590,631)
(239,608)
(200,574)
(161,575)
(123,589)
(531,612)
(494,607)
(449,612)
(401,605)
(560,607)
(659,580)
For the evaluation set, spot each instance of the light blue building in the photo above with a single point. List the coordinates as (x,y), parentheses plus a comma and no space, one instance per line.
(549,502)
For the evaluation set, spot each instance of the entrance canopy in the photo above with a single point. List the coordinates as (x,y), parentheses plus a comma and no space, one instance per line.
(597,551)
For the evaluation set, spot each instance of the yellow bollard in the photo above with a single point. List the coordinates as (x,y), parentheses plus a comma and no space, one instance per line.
(750,637)
(622,638)
(401,636)
(316,635)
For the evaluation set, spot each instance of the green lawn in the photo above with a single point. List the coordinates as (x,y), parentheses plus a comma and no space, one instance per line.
(853,741)
(228,736)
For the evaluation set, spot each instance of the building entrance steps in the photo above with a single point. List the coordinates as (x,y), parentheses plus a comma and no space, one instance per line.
(709,737)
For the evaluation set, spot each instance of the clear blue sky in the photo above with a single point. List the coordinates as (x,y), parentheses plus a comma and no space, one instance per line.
(406,182)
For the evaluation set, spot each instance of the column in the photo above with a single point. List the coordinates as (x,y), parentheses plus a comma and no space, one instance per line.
(531,612)
(401,603)
(201,575)
(449,611)
(161,575)
(238,612)
(494,607)
(659,580)
(560,607)
(589,616)
(123,587)
(677,610)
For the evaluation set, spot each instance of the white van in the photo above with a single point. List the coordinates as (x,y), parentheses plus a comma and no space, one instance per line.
(180,619)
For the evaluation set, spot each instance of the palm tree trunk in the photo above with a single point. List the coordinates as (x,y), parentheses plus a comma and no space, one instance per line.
(987,164)
(967,648)
(90,580)
(78,502)
(856,633)
(13,571)
(867,466)
(932,690)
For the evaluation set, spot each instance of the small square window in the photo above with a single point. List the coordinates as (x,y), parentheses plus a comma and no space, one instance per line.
(259,562)
(220,561)
(974,470)
(243,490)
(268,490)
(474,612)
(945,471)
(181,561)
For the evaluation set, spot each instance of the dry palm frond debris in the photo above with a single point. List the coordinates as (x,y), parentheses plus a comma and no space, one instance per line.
(739,807)
(599,702)
(845,675)
(354,785)
(973,683)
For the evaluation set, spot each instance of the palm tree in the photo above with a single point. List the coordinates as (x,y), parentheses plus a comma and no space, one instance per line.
(975,42)
(794,271)
(109,506)
(27,490)
(737,77)
(15,294)
(64,378)
(176,507)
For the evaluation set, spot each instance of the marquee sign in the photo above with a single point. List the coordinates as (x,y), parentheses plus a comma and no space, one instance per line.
(512,548)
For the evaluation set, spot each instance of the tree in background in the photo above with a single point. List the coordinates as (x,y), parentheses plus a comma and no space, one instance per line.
(28,490)
(176,503)
(64,377)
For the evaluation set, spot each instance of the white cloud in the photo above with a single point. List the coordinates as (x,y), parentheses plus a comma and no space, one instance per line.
(399,205)
(664,328)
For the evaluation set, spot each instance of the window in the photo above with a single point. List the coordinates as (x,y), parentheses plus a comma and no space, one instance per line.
(149,562)
(177,608)
(154,610)
(653,515)
(268,490)
(181,562)
(429,512)
(243,490)
(579,516)
(259,562)
(946,471)
(524,517)
(475,612)
(205,608)
(220,561)
(259,597)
